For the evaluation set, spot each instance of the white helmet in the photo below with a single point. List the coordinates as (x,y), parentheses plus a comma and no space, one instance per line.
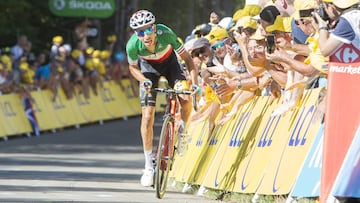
(141,18)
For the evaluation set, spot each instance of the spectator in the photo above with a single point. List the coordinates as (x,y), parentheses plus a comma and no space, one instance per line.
(43,72)
(345,31)
(77,74)
(315,62)
(209,102)
(287,9)
(20,49)
(253,52)
(268,16)
(214,19)
(56,44)
(5,84)
(291,97)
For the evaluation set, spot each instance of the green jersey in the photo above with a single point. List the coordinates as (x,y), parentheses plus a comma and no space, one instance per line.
(166,43)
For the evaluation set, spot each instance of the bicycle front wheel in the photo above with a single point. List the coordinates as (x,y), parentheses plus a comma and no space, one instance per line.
(164,156)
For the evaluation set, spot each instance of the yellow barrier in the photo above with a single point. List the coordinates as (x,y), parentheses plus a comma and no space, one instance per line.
(254,152)
(13,118)
(111,102)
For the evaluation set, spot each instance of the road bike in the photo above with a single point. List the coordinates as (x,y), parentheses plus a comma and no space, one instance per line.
(165,151)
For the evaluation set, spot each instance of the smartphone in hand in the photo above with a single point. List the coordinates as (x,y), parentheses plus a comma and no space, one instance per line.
(270,43)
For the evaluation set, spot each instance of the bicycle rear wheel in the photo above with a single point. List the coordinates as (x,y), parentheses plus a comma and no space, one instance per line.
(164,156)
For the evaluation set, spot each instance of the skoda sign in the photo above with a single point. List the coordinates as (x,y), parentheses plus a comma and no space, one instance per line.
(82,8)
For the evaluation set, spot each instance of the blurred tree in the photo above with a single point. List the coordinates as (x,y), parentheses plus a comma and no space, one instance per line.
(33,18)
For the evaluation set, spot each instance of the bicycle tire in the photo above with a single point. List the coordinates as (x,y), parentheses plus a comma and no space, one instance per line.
(164,156)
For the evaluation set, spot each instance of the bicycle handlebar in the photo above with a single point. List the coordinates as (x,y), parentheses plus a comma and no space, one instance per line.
(177,92)
(172,91)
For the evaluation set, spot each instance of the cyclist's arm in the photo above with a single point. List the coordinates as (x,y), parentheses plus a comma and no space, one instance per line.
(136,73)
(189,63)
(133,57)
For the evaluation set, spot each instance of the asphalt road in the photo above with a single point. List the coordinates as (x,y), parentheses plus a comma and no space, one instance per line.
(95,163)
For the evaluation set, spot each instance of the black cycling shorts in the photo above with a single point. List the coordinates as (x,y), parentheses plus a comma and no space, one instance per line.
(171,69)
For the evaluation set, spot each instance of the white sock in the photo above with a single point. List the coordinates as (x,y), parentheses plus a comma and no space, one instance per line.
(148,159)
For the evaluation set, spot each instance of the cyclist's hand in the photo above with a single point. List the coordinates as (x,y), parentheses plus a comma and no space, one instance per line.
(147,84)
(196,89)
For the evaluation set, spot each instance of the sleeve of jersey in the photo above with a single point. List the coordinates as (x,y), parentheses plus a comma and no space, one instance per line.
(131,51)
(343,31)
(173,40)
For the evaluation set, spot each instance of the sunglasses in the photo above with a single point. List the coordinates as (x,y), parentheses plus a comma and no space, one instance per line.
(217,45)
(148,31)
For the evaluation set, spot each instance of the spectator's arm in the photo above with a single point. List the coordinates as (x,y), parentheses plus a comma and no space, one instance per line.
(296,64)
(253,70)
(277,74)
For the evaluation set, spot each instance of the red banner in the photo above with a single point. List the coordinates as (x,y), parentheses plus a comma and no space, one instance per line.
(342,119)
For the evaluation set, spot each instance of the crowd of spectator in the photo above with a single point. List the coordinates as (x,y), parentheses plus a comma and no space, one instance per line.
(277,48)
(75,70)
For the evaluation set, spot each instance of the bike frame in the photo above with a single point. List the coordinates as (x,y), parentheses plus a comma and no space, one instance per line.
(164,154)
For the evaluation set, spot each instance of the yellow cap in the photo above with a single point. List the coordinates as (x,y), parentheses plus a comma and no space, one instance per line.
(305,4)
(60,69)
(105,54)
(238,14)
(245,22)
(248,10)
(287,24)
(257,35)
(278,25)
(24,66)
(95,54)
(6,61)
(76,53)
(57,39)
(217,34)
(345,3)
(89,50)
(89,64)
(328,1)
(111,38)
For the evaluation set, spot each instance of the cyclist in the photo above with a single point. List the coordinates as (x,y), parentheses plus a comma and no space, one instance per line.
(152,52)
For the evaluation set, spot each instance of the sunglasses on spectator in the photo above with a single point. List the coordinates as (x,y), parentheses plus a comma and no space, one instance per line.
(148,31)
(217,45)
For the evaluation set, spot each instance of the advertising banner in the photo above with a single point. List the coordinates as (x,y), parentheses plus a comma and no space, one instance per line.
(45,114)
(347,183)
(223,169)
(212,149)
(196,144)
(308,181)
(293,139)
(82,8)
(252,169)
(13,116)
(342,120)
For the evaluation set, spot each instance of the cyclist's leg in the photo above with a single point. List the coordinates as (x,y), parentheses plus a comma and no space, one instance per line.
(177,80)
(147,132)
(185,102)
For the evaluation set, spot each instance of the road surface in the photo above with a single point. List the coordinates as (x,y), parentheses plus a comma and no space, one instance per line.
(95,163)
